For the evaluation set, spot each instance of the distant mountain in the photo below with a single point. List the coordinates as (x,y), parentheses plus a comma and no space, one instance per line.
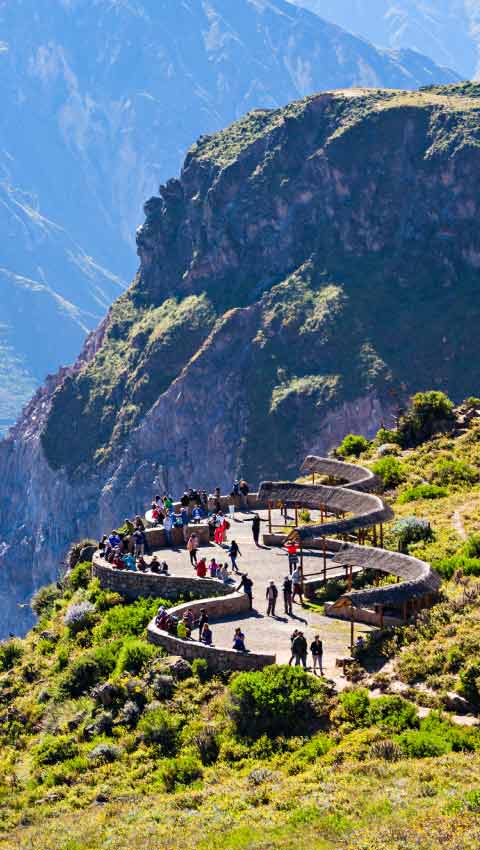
(446,30)
(100,101)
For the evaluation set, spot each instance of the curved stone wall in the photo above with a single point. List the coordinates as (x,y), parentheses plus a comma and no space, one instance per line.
(356,477)
(134,585)
(218,658)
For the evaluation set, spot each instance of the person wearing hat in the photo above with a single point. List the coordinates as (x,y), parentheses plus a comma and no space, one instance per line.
(271,595)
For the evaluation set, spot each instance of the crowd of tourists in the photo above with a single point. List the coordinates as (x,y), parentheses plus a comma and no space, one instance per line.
(186,626)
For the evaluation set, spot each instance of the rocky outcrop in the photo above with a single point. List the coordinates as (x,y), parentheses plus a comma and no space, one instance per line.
(309,269)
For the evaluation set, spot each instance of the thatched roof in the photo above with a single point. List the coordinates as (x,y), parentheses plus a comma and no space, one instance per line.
(357,477)
(418,577)
(366,509)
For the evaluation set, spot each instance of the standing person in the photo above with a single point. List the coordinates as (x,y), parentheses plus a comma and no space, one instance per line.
(202,568)
(234,552)
(247,585)
(292,550)
(216,499)
(243,489)
(218,536)
(167,527)
(185,500)
(206,635)
(299,647)
(203,619)
(287,595)
(297,585)
(231,506)
(225,527)
(292,638)
(138,538)
(239,641)
(184,521)
(213,568)
(255,527)
(192,547)
(271,595)
(316,648)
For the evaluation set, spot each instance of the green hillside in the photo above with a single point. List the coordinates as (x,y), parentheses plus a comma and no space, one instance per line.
(104,742)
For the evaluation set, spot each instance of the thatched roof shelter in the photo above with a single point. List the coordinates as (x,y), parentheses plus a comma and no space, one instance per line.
(357,477)
(366,509)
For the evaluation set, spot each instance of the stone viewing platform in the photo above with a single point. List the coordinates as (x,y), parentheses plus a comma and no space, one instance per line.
(344,536)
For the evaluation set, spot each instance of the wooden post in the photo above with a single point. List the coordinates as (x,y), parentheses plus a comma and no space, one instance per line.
(352,628)
(375,536)
(296,515)
(324,543)
(350,577)
(381,535)
(313,478)
(301,557)
(269,517)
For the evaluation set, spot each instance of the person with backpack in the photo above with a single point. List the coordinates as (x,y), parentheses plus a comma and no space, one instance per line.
(271,595)
(234,552)
(299,650)
(316,648)
(287,595)
(247,585)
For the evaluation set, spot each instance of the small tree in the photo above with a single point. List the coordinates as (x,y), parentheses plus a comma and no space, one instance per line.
(353,445)
(430,413)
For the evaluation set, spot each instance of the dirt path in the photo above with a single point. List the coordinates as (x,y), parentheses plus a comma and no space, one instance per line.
(458,525)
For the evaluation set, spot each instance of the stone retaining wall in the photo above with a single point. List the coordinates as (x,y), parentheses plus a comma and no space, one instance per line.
(134,585)
(218,658)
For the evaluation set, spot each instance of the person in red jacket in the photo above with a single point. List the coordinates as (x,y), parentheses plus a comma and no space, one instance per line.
(202,568)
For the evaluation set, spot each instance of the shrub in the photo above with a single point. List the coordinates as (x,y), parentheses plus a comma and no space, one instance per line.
(354,707)
(206,742)
(180,771)
(385,436)
(418,743)
(54,749)
(278,700)
(422,491)
(430,413)
(10,652)
(353,445)
(88,670)
(471,547)
(105,753)
(79,576)
(43,600)
(411,529)
(387,750)
(453,472)
(390,471)
(448,566)
(161,728)
(305,515)
(200,669)
(134,655)
(470,682)
(392,713)
(79,616)
(128,620)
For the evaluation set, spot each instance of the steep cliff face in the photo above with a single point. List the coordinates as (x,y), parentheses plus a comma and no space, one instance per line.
(310,268)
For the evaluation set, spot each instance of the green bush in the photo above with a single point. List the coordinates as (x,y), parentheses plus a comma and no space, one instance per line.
(79,576)
(10,652)
(411,529)
(128,620)
(430,413)
(353,445)
(390,471)
(134,655)
(385,436)
(470,682)
(422,491)
(180,771)
(392,713)
(448,566)
(354,707)
(200,669)
(471,547)
(43,600)
(453,472)
(278,700)
(417,743)
(55,748)
(305,515)
(161,728)
(88,670)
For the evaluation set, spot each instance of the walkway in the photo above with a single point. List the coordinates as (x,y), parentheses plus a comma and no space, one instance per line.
(268,634)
